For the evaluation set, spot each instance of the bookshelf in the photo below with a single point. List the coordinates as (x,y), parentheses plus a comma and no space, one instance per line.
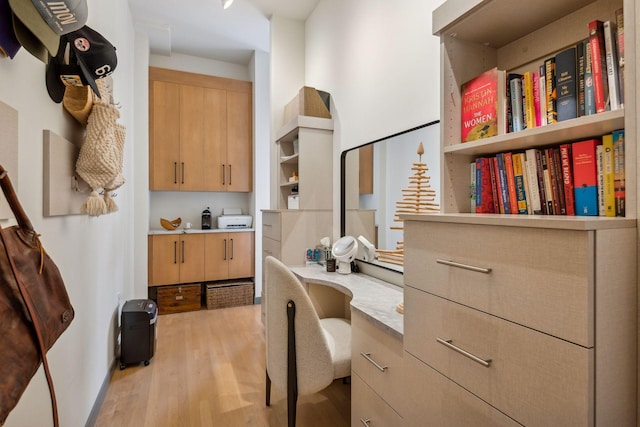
(527,37)
(471,279)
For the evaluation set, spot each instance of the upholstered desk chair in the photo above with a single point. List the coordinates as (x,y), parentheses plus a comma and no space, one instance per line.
(304,353)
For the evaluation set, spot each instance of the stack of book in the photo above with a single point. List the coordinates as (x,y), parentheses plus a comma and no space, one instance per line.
(578,178)
(584,79)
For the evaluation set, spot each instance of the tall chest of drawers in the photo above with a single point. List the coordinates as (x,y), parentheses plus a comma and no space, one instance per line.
(510,321)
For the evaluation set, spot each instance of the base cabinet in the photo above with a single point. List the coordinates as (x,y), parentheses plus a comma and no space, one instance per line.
(228,255)
(368,408)
(175,258)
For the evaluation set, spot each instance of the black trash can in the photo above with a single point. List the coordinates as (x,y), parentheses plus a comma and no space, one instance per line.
(138,331)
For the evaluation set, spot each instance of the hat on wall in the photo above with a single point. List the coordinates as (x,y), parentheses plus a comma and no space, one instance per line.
(38,24)
(84,57)
(8,41)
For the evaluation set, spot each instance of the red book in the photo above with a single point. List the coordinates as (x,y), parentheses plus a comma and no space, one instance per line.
(484,192)
(511,182)
(483,105)
(567,177)
(585,177)
(599,65)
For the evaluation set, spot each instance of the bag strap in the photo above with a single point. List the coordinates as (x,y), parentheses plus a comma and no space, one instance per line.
(24,223)
(14,203)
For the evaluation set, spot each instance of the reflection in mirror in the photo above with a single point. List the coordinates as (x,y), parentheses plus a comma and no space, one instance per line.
(373,177)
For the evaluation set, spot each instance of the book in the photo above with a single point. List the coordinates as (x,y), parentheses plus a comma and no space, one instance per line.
(599,65)
(481,105)
(553,181)
(472,186)
(580,78)
(533,198)
(550,86)
(494,184)
(567,178)
(548,187)
(620,46)
(608,176)
(540,172)
(518,178)
(619,171)
(589,95)
(558,181)
(600,172)
(515,95)
(528,106)
(511,182)
(484,193)
(504,188)
(566,91)
(543,96)
(585,177)
(498,193)
(536,98)
(611,55)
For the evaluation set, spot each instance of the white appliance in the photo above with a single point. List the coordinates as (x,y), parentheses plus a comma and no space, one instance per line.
(344,250)
(233,218)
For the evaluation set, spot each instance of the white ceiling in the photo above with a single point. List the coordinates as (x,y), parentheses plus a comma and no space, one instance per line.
(202,28)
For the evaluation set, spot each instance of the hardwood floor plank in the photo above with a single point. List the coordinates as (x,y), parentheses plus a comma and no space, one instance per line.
(209,370)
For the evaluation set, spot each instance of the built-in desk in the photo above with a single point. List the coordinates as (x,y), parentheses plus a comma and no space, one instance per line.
(377,330)
(374,299)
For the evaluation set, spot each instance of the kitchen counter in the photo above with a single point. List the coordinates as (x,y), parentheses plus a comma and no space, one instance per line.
(374,299)
(197,231)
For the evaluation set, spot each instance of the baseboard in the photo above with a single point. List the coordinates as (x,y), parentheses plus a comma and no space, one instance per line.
(93,416)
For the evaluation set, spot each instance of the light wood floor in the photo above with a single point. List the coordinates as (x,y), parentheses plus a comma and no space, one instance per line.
(209,370)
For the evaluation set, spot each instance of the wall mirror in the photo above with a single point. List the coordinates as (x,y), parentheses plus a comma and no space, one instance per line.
(373,176)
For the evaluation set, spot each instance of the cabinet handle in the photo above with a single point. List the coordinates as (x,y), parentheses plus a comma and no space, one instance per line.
(365,422)
(373,362)
(175,172)
(264,224)
(230,176)
(183,251)
(224,247)
(267,251)
(448,343)
(175,252)
(464,266)
(182,173)
(223,175)
(231,248)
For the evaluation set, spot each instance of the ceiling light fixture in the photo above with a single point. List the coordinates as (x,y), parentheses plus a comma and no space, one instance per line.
(226,3)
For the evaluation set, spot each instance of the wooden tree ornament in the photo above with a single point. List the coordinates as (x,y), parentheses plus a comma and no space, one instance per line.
(417,198)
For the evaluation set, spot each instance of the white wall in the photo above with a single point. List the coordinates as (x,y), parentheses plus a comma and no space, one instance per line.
(94,255)
(380,63)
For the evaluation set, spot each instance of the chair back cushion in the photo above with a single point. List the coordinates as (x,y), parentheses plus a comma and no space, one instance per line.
(313,355)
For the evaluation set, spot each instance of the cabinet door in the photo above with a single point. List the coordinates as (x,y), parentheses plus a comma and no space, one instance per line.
(216,256)
(239,138)
(191,258)
(164,267)
(192,157)
(215,139)
(240,246)
(164,147)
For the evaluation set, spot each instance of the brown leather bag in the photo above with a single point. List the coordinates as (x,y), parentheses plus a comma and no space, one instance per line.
(34,306)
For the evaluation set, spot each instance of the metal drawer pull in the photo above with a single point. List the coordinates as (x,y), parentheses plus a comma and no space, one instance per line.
(465,266)
(373,362)
(365,422)
(484,362)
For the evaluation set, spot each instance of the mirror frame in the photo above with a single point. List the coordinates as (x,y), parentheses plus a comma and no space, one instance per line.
(343,186)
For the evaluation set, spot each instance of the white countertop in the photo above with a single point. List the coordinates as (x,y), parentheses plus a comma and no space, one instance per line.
(197,230)
(374,299)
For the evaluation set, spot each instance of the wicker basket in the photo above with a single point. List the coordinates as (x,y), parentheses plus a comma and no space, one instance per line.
(229,294)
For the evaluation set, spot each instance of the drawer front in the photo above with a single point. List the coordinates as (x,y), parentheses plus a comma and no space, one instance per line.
(176,299)
(434,400)
(270,247)
(368,409)
(530,376)
(377,358)
(531,280)
(271,225)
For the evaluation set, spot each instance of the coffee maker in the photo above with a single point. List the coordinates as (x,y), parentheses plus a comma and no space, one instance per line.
(206,219)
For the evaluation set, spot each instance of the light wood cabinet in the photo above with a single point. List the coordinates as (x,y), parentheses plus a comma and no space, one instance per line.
(175,258)
(305,147)
(200,132)
(229,255)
